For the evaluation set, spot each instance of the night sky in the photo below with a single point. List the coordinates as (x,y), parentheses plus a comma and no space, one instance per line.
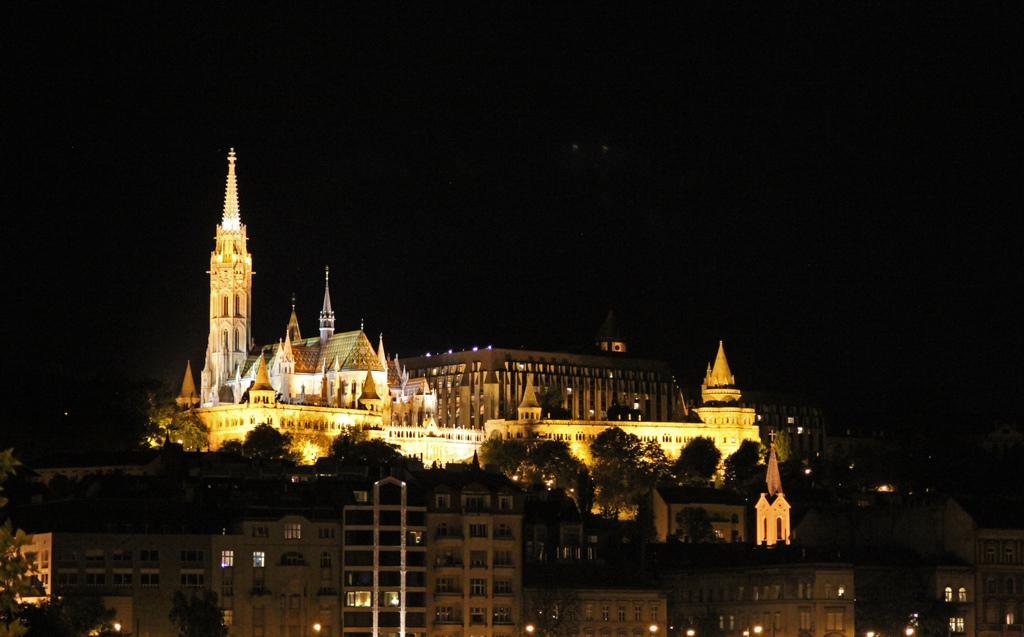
(833,191)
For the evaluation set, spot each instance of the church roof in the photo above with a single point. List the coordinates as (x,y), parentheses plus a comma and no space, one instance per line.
(352,350)
(262,380)
(188,385)
(529,395)
(773,478)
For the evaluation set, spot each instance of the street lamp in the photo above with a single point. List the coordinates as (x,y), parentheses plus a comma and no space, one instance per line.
(870,633)
(909,631)
(117,627)
(317,627)
(690,632)
(529,629)
(757,630)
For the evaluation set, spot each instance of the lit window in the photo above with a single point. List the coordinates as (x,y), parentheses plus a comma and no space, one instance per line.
(227,558)
(391,598)
(358,598)
(293,531)
(961,594)
(259,559)
(948,594)
(956,624)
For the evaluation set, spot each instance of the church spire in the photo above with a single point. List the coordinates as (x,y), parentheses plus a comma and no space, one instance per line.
(326,314)
(773,478)
(529,408)
(380,352)
(232,219)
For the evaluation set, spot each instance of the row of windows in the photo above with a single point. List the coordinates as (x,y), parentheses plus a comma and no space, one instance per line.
(478,587)
(758,593)
(123,556)
(473,502)
(477,615)
(622,612)
(961,594)
(1010,554)
(146,579)
(477,559)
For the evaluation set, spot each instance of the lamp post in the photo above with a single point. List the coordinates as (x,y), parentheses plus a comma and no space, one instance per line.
(316,628)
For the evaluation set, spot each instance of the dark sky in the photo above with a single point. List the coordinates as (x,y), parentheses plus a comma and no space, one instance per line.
(833,191)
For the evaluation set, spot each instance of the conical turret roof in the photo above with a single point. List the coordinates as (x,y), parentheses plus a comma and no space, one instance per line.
(262,382)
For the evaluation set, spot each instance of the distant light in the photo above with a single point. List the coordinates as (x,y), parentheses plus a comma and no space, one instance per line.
(428,354)
(488,347)
(475,348)
(449,351)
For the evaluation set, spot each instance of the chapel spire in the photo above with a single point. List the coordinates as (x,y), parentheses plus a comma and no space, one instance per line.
(293,324)
(773,479)
(326,314)
(772,508)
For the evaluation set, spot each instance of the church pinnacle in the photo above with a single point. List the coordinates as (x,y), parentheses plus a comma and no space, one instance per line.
(719,383)
(232,219)
(773,479)
(326,314)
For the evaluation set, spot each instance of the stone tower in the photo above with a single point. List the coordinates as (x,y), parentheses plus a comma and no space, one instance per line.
(230,295)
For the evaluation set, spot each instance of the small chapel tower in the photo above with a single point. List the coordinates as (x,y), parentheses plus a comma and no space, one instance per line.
(719,383)
(529,408)
(230,295)
(772,508)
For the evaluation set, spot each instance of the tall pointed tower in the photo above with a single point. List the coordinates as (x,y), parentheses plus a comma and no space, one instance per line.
(772,508)
(230,294)
(719,383)
(326,314)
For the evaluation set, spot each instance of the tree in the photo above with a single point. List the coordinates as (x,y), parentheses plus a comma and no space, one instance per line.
(375,453)
(553,612)
(16,567)
(625,469)
(197,614)
(509,455)
(698,462)
(232,446)
(341,446)
(550,400)
(68,616)
(266,443)
(551,462)
(696,525)
(166,420)
(743,469)
(783,446)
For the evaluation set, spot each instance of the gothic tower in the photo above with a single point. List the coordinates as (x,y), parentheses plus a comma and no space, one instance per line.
(230,296)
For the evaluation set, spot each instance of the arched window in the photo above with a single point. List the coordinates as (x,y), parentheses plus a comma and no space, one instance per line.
(1009,586)
(238,342)
(948,596)
(961,594)
(778,530)
(224,306)
(224,340)
(238,306)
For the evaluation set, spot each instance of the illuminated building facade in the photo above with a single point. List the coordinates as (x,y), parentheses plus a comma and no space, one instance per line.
(438,408)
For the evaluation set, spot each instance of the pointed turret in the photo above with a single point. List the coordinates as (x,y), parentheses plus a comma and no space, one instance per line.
(529,408)
(188,397)
(293,324)
(262,392)
(608,337)
(719,383)
(380,352)
(370,399)
(326,314)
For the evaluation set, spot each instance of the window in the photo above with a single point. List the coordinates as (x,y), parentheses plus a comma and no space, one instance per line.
(191,579)
(227,558)
(474,503)
(477,530)
(502,615)
(227,587)
(805,618)
(622,613)
(834,619)
(325,532)
(503,558)
(122,579)
(149,579)
(95,579)
(654,613)
(445,585)
(840,592)
(948,594)
(325,560)
(293,531)
(956,624)
(121,556)
(502,587)
(504,503)
(638,613)
(391,598)
(292,558)
(588,611)
(604,612)
(478,559)
(259,559)
(229,616)
(478,587)
(1009,586)
(503,531)
(362,497)
(961,594)
(445,614)
(191,556)
(259,531)
(442,501)
(478,615)
(359,598)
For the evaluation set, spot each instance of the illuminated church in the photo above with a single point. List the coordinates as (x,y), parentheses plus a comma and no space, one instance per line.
(315,388)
